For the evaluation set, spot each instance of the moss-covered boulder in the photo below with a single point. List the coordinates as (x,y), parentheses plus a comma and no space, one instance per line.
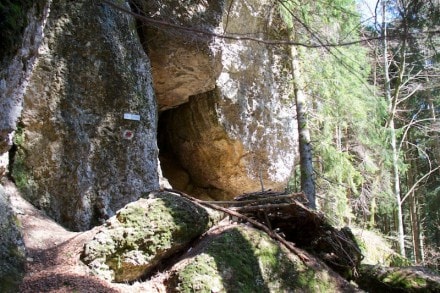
(12,253)
(145,233)
(243,259)
(398,279)
(375,248)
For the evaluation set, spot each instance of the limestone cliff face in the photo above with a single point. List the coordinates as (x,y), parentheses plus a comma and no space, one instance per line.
(78,156)
(228,138)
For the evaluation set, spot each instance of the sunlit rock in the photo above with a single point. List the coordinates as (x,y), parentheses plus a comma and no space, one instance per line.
(238,134)
(144,234)
(87,138)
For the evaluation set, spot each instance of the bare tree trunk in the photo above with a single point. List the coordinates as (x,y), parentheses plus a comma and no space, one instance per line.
(372,221)
(396,182)
(414,203)
(415,226)
(391,126)
(305,148)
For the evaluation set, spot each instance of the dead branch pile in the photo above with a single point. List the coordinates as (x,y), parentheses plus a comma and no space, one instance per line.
(287,215)
(286,218)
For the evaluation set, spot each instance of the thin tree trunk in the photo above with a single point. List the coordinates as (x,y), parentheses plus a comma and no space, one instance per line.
(410,157)
(305,148)
(401,233)
(391,126)
(372,220)
(415,225)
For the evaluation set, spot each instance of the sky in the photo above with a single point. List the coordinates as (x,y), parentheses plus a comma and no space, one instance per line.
(366,8)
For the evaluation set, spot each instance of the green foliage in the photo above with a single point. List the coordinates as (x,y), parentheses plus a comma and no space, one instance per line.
(396,260)
(346,116)
(320,17)
(12,22)
(432,213)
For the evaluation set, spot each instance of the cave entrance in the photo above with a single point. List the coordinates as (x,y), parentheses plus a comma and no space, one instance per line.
(192,149)
(172,169)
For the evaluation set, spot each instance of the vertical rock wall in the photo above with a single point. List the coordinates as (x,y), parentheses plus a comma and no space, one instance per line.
(22,34)
(78,158)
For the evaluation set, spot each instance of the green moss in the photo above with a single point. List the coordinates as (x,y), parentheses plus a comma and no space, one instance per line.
(144,233)
(397,279)
(247,260)
(19,171)
(19,135)
(401,280)
(201,275)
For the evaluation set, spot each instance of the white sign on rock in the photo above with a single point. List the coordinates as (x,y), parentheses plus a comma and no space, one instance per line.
(130,116)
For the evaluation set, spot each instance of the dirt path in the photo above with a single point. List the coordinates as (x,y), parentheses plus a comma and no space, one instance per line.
(53,263)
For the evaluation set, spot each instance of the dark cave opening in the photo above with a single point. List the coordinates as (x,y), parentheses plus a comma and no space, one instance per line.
(12,153)
(181,130)
(172,170)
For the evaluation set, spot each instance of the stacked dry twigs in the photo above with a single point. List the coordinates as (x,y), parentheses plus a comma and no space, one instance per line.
(286,218)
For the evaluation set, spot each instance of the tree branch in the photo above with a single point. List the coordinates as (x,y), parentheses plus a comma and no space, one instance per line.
(417,183)
(206,33)
(301,254)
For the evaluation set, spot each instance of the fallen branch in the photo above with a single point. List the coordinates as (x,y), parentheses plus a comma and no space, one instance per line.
(269,232)
(241,202)
(261,207)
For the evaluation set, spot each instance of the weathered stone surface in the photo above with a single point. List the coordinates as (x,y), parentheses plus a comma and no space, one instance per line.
(185,63)
(15,71)
(203,147)
(12,252)
(78,158)
(242,259)
(143,234)
(246,131)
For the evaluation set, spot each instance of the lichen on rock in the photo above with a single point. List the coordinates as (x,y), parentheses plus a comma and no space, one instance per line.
(143,234)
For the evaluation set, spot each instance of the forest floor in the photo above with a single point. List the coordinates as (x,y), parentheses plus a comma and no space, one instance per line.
(52,255)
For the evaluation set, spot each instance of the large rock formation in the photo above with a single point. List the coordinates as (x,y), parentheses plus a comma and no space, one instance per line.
(246,133)
(242,259)
(376,278)
(184,63)
(79,156)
